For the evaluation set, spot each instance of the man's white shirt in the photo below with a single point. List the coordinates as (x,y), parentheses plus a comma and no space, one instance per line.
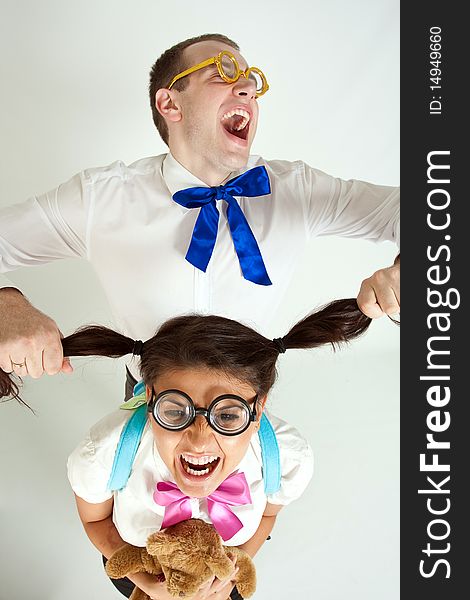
(122,219)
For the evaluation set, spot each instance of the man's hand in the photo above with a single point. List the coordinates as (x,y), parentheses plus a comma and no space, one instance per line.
(380,294)
(29,340)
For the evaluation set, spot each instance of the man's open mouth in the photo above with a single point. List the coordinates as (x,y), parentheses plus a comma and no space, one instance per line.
(236,122)
(199,465)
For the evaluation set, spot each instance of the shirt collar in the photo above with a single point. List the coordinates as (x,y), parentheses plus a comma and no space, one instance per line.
(178,178)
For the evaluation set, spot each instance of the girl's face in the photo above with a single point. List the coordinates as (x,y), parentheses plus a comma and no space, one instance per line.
(199,443)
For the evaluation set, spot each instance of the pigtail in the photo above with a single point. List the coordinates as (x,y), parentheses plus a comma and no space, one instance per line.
(96,340)
(92,340)
(9,386)
(214,342)
(335,323)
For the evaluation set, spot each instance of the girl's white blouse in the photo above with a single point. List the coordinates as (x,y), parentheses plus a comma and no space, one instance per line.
(135,513)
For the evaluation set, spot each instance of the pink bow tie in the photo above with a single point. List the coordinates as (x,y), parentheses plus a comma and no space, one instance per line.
(234,491)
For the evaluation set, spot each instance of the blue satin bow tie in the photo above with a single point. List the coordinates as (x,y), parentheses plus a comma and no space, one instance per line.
(254,182)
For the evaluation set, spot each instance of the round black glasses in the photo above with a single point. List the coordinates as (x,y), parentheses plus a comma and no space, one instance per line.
(227,414)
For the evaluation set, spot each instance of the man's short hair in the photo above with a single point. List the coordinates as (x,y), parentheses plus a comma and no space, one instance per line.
(170,63)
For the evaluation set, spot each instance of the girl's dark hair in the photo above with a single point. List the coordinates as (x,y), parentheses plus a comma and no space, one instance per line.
(215,343)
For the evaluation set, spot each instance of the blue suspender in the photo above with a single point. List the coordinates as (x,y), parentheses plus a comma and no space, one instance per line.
(270,456)
(127,449)
(132,433)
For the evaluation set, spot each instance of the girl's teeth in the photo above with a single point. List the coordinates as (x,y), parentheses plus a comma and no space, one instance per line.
(203,460)
(193,472)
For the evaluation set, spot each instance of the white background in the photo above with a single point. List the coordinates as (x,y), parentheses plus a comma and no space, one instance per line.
(74,95)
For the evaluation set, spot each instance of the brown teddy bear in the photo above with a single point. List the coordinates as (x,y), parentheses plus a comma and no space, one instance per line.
(188,554)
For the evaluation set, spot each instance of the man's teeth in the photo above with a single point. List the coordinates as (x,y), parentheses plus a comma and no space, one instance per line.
(241,113)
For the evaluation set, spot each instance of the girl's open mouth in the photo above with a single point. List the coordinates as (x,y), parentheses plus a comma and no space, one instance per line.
(199,466)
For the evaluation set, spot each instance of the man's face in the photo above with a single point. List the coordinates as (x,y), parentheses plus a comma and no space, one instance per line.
(213,112)
(212,456)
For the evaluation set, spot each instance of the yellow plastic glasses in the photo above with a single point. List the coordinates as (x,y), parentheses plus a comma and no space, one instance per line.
(229,70)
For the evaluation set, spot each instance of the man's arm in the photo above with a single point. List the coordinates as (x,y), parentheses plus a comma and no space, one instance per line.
(358,209)
(35,232)
(45,228)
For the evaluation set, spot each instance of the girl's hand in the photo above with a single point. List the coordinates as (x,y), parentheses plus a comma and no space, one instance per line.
(214,589)
(152,586)
(218,589)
